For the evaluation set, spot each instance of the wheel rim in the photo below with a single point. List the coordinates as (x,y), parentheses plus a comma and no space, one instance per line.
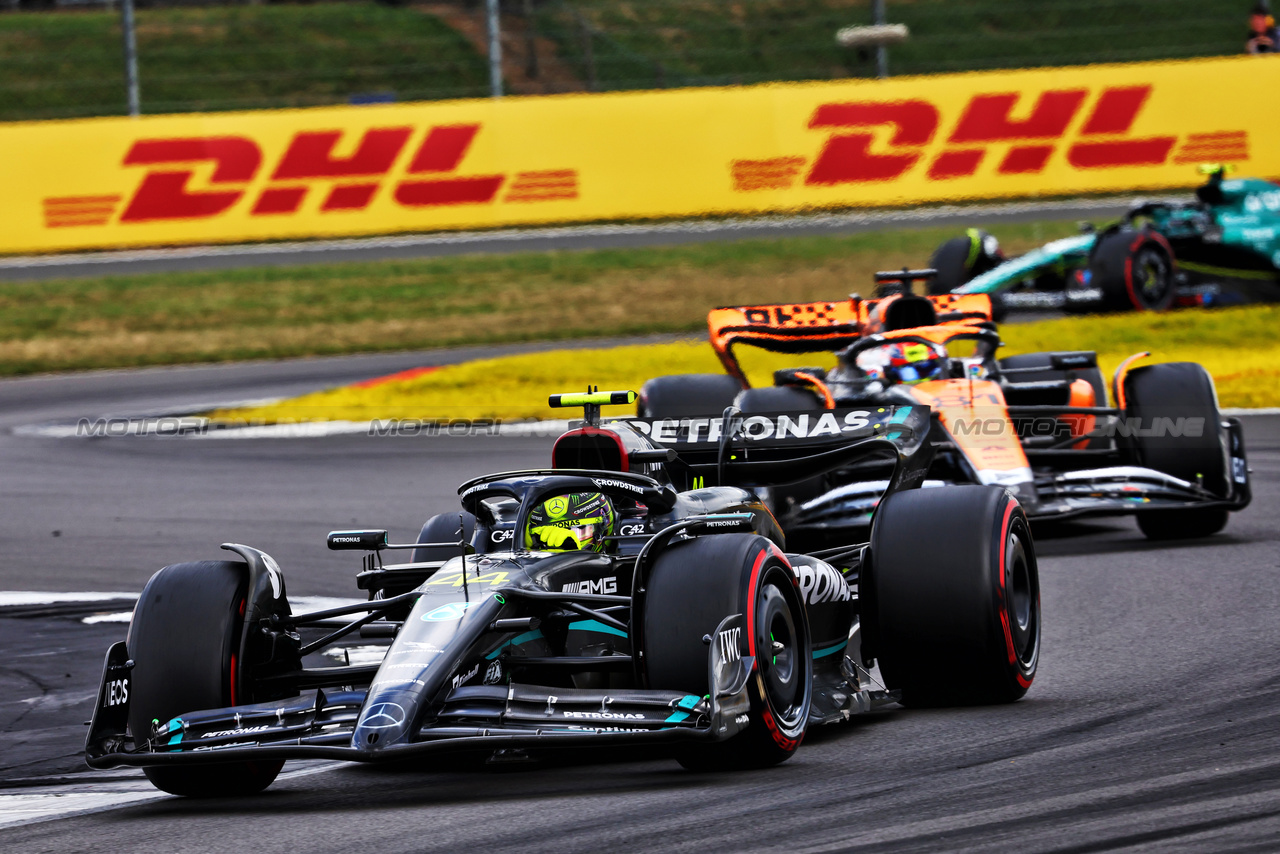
(780,656)
(1151,276)
(1022,600)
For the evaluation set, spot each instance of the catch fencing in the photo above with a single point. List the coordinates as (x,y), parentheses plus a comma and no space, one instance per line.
(63,58)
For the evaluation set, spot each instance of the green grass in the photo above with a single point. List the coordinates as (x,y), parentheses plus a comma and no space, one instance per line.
(274,312)
(68,64)
(653,43)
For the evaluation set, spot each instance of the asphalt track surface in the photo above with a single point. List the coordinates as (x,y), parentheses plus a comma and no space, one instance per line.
(1154,724)
(568,238)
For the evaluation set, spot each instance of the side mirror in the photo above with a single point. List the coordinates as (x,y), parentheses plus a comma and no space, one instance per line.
(370,541)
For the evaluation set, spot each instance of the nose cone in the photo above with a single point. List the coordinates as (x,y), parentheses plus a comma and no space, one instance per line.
(382,723)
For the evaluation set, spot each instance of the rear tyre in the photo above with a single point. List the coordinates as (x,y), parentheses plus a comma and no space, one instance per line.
(1182,524)
(1048,372)
(687,395)
(693,586)
(776,399)
(1134,270)
(1169,395)
(184,638)
(783,500)
(953,617)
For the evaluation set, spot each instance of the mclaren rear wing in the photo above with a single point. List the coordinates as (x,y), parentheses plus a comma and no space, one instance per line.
(825,327)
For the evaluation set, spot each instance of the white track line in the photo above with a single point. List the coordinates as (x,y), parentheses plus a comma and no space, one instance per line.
(193,427)
(200,428)
(12,598)
(479,238)
(47,803)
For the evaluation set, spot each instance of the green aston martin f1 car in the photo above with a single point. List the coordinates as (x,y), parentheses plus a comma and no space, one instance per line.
(1221,249)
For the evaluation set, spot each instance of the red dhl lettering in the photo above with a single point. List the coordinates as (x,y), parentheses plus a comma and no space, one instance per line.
(849,154)
(308,163)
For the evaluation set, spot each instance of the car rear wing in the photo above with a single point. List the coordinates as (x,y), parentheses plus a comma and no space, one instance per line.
(775,448)
(825,327)
(802,327)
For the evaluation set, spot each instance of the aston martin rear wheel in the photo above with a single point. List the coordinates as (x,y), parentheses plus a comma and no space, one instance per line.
(951,260)
(1134,270)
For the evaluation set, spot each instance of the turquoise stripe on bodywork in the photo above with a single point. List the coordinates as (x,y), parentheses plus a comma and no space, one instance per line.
(688,701)
(515,641)
(1017,269)
(175,731)
(899,416)
(831,650)
(595,626)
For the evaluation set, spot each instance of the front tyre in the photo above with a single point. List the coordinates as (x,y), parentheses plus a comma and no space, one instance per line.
(445,528)
(693,586)
(1178,396)
(951,604)
(184,638)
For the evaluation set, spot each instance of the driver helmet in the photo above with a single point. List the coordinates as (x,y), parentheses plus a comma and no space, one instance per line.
(912,363)
(573,522)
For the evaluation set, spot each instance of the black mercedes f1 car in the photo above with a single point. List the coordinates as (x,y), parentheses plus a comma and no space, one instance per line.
(691,627)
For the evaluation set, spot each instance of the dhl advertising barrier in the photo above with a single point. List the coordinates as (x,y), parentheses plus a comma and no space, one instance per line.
(463,164)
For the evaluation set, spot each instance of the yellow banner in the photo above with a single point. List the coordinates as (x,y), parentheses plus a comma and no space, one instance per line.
(575,158)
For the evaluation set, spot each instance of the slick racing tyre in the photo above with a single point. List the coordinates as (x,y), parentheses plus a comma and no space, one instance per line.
(784,499)
(184,638)
(1047,372)
(444,529)
(961,258)
(777,399)
(1134,270)
(951,604)
(693,586)
(687,396)
(1180,396)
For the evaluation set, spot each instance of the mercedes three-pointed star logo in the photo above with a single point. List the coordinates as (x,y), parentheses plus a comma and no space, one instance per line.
(383,716)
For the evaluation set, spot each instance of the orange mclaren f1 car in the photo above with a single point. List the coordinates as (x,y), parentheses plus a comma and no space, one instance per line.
(1039,424)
